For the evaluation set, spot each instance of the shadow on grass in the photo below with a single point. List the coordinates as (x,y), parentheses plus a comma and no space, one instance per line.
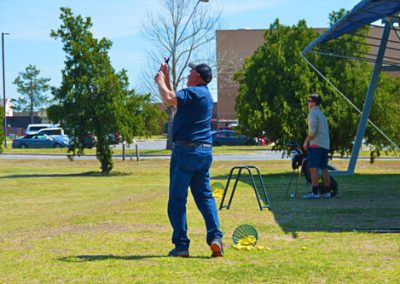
(84,174)
(83,258)
(365,203)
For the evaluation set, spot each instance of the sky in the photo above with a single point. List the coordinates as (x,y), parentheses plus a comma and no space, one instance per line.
(29,23)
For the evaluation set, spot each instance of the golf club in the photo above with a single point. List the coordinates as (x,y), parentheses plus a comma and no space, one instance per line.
(184,28)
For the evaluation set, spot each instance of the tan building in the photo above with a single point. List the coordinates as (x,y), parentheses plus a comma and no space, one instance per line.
(233,46)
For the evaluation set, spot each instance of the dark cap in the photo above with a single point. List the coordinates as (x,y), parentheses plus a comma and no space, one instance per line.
(204,70)
(316,99)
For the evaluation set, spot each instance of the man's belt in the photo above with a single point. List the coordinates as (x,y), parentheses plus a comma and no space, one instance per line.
(192,144)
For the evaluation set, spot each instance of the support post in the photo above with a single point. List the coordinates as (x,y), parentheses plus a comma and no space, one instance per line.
(123,151)
(4,90)
(369,98)
(137,152)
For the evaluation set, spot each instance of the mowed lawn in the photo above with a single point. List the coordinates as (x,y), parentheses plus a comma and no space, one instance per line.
(61,221)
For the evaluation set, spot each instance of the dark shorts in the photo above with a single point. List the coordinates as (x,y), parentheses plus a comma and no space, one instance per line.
(317,158)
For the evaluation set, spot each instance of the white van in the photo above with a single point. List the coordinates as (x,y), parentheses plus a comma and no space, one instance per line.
(34,128)
(51,131)
(57,133)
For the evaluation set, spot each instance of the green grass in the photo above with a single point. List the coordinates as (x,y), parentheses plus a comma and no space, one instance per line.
(63,222)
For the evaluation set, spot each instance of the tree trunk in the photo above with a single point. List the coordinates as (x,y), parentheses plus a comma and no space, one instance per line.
(31,114)
(171,114)
(104,154)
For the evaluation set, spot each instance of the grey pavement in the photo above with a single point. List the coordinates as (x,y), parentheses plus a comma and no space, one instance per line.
(145,145)
(261,155)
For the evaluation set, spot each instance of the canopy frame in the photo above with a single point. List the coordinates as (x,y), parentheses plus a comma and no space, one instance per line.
(363,14)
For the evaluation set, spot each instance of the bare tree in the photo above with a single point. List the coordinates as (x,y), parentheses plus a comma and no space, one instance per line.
(196,44)
(228,63)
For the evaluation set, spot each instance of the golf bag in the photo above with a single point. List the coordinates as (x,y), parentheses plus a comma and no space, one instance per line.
(299,160)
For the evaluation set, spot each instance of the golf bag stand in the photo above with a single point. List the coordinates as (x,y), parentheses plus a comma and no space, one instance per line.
(296,172)
(299,161)
(299,166)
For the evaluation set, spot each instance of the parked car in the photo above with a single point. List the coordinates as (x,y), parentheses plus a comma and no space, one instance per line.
(39,141)
(263,140)
(55,132)
(90,140)
(34,128)
(230,137)
(114,138)
(225,128)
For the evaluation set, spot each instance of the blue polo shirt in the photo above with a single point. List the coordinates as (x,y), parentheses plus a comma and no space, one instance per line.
(192,121)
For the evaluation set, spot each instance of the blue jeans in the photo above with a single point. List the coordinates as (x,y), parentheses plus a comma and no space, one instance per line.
(190,166)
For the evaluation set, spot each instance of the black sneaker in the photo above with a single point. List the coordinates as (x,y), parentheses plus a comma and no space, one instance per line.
(217,248)
(179,252)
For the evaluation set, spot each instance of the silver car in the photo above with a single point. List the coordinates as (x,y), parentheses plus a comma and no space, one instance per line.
(39,141)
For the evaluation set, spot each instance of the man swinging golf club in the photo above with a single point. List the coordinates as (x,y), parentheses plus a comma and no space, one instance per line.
(191,156)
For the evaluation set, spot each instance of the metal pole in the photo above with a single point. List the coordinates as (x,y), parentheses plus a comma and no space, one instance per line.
(4,91)
(123,151)
(137,152)
(369,98)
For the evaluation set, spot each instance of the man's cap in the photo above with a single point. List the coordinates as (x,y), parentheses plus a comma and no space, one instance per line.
(204,70)
(316,98)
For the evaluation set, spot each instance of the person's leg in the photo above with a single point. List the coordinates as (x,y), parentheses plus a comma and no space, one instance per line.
(325,173)
(327,177)
(314,178)
(312,163)
(201,190)
(178,190)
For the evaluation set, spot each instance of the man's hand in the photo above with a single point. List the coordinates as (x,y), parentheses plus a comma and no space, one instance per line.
(159,78)
(305,144)
(165,67)
(164,85)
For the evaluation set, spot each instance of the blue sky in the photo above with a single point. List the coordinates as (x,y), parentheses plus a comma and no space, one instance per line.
(29,23)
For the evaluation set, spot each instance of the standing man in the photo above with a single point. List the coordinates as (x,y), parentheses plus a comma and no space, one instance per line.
(191,156)
(317,144)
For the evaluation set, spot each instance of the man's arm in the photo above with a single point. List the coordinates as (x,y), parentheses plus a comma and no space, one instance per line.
(165,69)
(307,141)
(312,129)
(164,86)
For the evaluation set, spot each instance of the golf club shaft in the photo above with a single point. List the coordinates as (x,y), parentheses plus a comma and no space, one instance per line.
(183,30)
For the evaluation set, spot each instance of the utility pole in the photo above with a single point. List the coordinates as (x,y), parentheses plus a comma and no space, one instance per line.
(4,91)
